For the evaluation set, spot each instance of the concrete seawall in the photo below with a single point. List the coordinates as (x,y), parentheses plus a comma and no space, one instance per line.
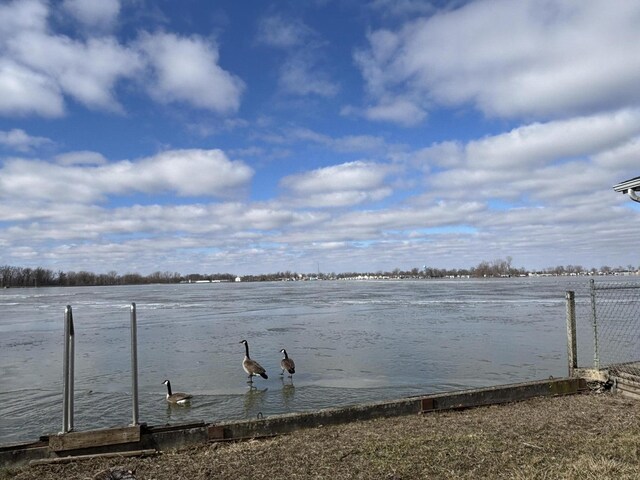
(148,440)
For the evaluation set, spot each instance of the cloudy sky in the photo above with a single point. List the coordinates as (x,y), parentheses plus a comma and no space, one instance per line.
(254,136)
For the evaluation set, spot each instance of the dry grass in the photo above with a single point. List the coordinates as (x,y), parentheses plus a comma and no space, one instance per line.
(589,436)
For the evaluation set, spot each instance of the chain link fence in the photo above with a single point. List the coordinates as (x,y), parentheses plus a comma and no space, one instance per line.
(615,316)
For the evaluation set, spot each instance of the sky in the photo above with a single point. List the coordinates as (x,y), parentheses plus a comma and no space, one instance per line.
(336,136)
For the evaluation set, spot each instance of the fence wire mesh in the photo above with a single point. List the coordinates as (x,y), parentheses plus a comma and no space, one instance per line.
(615,315)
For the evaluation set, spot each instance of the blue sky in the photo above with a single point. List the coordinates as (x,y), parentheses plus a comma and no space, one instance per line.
(252,137)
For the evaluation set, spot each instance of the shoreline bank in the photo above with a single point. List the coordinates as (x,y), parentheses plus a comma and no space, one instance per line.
(586,435)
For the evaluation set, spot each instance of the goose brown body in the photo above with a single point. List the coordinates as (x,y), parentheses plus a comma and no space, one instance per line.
(250,366)
(287,363)
(178,397)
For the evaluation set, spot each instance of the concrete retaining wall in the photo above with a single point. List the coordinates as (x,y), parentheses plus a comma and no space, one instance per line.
(160,438)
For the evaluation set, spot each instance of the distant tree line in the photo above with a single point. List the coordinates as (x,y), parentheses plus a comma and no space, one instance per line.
(40,277)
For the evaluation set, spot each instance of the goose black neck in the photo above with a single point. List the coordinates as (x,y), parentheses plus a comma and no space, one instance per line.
(169,387)
(246,349)
(285,353)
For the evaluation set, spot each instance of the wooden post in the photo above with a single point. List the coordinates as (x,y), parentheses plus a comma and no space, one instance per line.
(572,350)
(94,438)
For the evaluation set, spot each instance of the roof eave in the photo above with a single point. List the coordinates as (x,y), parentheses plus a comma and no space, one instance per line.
(631,184)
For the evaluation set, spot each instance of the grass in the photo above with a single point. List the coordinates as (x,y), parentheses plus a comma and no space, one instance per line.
(586,436)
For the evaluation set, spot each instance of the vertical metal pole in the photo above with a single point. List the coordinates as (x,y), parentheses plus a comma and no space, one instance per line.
(572,350)
(134,363)
(65,372)
(68,374)
(596,353)
(72,371)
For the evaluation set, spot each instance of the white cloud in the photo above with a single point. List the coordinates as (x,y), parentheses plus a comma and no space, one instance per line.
(86,71)
(187,172)
(83,157)
(339,185)
(383,47)
(39,69)
(300,76)
(624,157)
(347,176)
(402,111)
(512,58)
(185,69)
(19,140)
(436,215)
(345,198)
(538,144)
(22,15)
(24,92)
(183,172)
(540,163)
(101,14)
(445,154)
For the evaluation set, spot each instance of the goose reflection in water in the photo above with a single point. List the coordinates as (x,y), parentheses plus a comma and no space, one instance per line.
(288,393)
(176,413)
(254,401)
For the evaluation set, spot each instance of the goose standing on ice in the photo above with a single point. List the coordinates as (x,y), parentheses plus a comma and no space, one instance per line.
(250,366)
(287,364)
(178,397)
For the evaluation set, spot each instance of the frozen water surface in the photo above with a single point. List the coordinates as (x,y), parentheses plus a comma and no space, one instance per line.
(352,342)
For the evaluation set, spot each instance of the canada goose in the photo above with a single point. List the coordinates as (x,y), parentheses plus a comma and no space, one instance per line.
(252,367)
(287,364)
(178,397)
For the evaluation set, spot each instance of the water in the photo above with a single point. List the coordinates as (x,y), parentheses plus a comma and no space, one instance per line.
(352,342)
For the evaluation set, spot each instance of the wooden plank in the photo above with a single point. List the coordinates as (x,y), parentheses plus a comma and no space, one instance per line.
(94,438)
(73,458)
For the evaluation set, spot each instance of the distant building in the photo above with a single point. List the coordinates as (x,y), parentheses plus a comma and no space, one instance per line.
(238,279)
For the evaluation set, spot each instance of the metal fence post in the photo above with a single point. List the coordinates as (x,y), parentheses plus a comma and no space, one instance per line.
(134,363)
(596,353)
(68,371)
(572,349)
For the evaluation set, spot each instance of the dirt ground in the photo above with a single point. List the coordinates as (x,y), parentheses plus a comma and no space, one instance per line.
(586,436)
